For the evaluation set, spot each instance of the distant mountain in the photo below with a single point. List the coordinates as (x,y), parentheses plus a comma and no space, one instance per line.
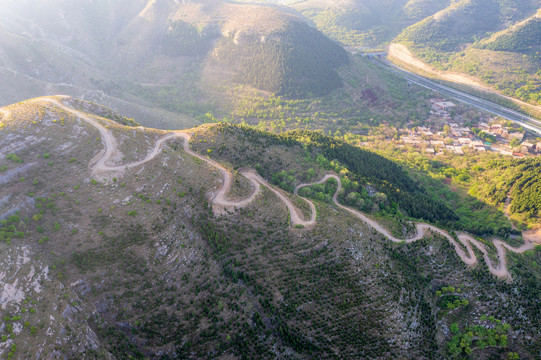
(487,43)
(368,23)
(296,61)
(141,54)
(495,42)
(466,22)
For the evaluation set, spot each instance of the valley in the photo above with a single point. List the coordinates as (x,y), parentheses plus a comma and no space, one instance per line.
(351,179)
(105,170)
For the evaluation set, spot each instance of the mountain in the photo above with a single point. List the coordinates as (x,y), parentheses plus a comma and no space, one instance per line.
(492,44)
(366,23)
(161,59)
(125,242)
(485,44)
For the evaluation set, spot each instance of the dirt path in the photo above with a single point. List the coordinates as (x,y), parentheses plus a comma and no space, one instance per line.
(468,256)
(5,113)
(500,269)
(507,211)
(296,214)
(101,165)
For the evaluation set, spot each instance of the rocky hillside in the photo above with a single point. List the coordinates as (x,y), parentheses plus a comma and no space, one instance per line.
(123,242)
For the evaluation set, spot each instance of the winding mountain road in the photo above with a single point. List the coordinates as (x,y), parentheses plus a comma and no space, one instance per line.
(468,256)
(110,149)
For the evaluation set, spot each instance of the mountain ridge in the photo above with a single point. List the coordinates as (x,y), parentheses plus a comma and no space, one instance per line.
(144,262)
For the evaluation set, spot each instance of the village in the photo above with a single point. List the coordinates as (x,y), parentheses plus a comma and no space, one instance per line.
(447,131)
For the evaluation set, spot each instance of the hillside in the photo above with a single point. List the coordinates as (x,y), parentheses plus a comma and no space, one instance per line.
(494,43)
(517,180)
(165,60)
(296,62)
(366,23)
(127,242)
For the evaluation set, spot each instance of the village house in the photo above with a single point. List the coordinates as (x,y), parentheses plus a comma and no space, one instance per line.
(527,147)
(490,133)
(517,135)
(445,105)
(458,150)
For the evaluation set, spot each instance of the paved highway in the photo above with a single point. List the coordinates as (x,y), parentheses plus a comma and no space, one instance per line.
(525,121)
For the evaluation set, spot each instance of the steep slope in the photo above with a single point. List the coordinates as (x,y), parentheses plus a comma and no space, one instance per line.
(124,242)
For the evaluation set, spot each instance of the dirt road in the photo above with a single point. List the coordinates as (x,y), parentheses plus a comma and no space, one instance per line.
(101,164)
(468,257)
(5,113)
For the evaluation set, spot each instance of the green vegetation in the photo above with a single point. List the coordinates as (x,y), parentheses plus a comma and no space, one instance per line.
(470,185)
(321,192)
(524,39)
(449,299)
(14,158)
(517,178)
(349,112)
(9,229)
(478,337)
(360,168)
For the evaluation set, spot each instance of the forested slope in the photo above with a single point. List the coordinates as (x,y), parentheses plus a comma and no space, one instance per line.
(294,62)
(520,180)
(526,38)
(494,41)
(366,22)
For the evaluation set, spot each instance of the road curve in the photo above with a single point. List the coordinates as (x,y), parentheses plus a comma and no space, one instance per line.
(468,256)
(6,113)
(110,148)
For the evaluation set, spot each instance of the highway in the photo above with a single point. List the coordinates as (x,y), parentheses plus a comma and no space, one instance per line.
(527,122)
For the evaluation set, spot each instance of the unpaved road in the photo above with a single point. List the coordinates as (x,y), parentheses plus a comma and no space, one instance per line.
(110,149)
(500,270)
(220,199)
(5,112)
